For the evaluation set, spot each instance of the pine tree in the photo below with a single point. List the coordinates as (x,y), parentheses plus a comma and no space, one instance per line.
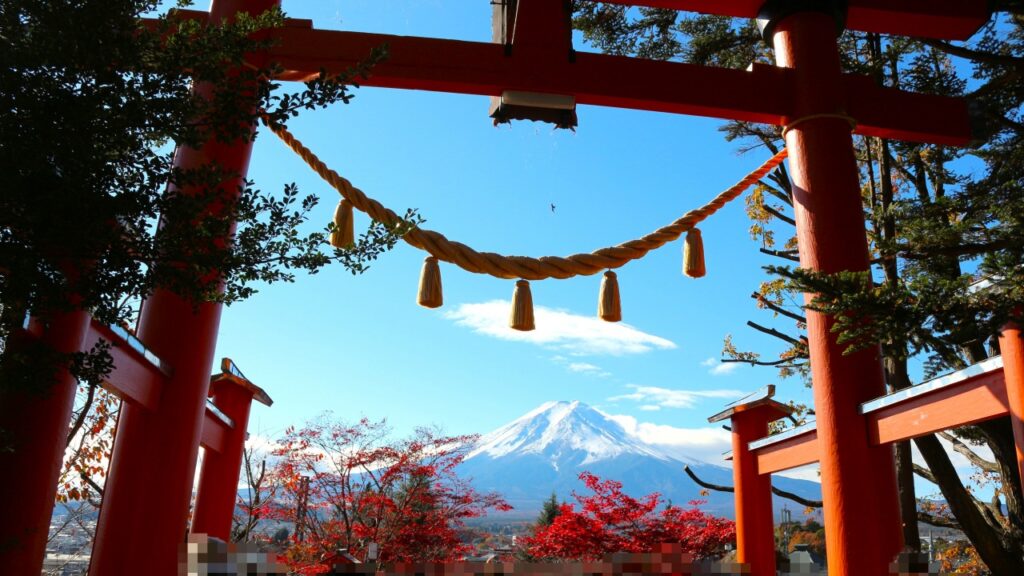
(934,226)
(548,512)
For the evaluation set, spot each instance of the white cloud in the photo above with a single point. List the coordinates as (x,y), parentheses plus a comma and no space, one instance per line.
(574,334)
(704,444)
(587,368)
(650,407)
(668,398)
(718,368)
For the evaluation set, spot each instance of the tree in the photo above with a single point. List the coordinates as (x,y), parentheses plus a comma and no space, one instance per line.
(934,221)
(548,512)
(347,486)
(610,521)
(94,102)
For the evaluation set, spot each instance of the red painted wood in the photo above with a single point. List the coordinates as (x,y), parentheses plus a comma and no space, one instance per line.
(791,453)
(969,402)
(862,524)
(947,19)
(1011,344)
(542,28)
(132,378)
(216,433)
(218,477)
(149,486)
(36,425)
(763,94)
(755,534)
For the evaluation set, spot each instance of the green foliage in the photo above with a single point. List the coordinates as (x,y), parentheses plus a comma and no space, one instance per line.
(937,219)
(548,512)
(94,103)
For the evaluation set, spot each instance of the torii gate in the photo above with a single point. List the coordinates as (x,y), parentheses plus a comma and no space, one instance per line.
(145,507)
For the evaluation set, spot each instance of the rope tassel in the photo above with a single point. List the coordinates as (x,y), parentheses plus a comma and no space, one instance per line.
(430,295)
(521,317)
(693,254)
(609,308)
(343,235)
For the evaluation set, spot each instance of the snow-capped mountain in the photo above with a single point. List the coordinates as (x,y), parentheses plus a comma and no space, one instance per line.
(545,450)
(557,430)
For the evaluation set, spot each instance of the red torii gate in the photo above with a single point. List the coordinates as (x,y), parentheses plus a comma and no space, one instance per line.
(145,507)
(993,388)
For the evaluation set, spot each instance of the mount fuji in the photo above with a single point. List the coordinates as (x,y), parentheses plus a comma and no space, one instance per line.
(545,450)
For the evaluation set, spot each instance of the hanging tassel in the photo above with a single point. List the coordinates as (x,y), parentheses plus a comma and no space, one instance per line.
(430,295)
(343,235)
(693,254)
(522,308)
(609,308)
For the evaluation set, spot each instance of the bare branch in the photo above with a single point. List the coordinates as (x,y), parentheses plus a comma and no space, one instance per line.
(775,333)
(940,521)
(925,473)
(778,492)
(784,254)
(779,215)
(785,362)
(966,451)
(972,54)
(776,308)
(92,483)
(80,419)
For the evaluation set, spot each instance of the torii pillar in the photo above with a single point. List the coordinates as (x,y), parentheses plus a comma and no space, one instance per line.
(755,527)
(35,425)
(861,508)
(232,394)
(149,485)
(1011,347)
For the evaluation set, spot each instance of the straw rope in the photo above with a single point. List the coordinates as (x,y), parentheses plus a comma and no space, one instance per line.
(524,267)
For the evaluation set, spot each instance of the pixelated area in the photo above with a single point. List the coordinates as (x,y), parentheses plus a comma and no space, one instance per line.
(206,556)
(668,561)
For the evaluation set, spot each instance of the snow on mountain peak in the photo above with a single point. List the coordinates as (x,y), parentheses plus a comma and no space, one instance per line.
(563,429)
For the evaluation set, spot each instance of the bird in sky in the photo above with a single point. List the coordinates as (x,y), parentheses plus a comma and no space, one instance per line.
(552,208)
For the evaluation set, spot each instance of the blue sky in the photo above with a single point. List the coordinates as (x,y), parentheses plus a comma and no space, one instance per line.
(359,345)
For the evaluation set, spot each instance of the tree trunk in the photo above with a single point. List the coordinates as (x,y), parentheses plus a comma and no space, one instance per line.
(986,538)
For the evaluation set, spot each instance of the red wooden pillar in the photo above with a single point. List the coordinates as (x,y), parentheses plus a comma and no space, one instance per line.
(218,476)
(149,485)
(862,524)
(1011,345)
(35,426)
(755,526)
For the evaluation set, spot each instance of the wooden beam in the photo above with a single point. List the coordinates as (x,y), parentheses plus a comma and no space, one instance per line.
(969,396)
(943,19)
(137,375)
(216,427)
(793,448)
(965,397)
(761,94)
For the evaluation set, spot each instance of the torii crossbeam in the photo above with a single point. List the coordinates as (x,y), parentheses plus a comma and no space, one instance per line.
(805,91)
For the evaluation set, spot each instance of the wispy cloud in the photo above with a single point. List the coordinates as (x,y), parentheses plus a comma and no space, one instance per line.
(706,444)
(573,334)
(669,398)
(587,368)
(718,368)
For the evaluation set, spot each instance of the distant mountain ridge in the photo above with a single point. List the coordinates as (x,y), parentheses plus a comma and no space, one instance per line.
(546,449)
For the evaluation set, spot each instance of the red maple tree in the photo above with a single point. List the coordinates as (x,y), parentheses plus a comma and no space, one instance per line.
(348,486)
(610,521)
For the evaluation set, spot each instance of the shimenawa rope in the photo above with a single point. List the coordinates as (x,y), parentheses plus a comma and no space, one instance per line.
(524,267)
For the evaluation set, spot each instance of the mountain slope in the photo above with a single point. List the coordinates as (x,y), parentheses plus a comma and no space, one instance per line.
(545,450)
